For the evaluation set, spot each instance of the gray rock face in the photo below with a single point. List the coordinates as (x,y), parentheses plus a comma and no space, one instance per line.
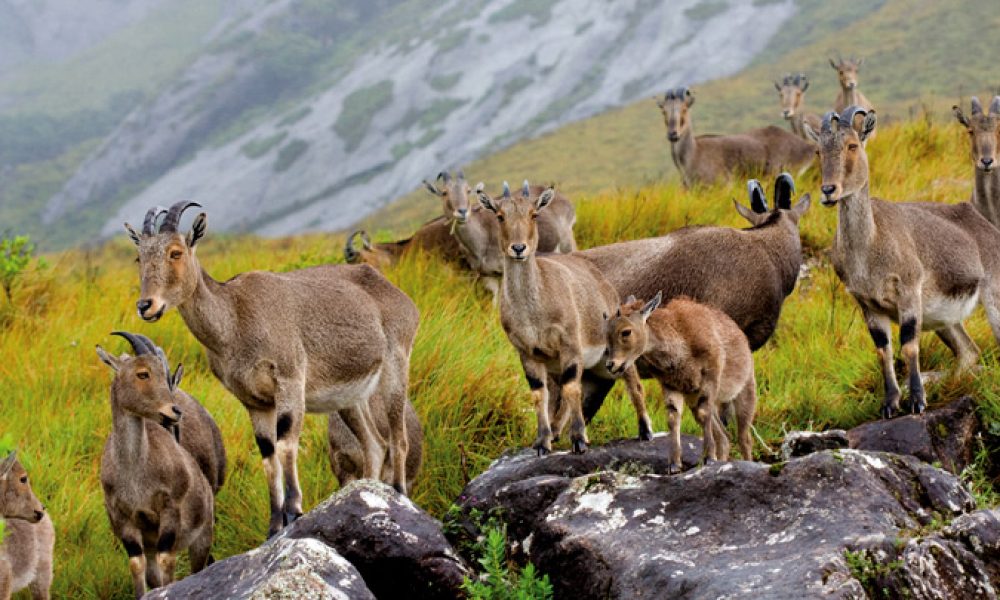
(520,485)
(946,435)
(737,529)
(962,560)
(398,548)
(441,96)
(283,568)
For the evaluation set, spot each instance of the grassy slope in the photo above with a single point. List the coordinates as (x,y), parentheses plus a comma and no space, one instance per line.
(918,52)
(819,370)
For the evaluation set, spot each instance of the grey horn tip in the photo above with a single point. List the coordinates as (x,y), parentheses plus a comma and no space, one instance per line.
(506,190)
(525,189)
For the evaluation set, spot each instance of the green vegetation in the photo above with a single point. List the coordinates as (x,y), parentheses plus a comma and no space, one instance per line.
(869,572)
(15,256)
(501,580)
(441,83)
(707,9)
(818,371)
(259,147)
(294,116)
(290,153)
(359,108)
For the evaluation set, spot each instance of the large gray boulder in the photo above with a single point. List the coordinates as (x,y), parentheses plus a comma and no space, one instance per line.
(283,568)
(399,549)
(736,529)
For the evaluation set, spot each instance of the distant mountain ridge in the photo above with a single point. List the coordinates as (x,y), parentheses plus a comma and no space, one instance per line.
(358,120)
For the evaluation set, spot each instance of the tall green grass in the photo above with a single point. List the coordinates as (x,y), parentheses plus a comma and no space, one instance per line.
(818,371)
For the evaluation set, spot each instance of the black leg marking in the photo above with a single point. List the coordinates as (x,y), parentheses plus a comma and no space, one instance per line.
(907,331)
(266,447)
(534,383)
(569,374)
(132,548)
(284,425)
(879,337)
(166,541)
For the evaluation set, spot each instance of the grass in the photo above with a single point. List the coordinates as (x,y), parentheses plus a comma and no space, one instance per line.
(818,371)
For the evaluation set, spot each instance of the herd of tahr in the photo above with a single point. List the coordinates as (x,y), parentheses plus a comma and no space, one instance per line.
(687,309)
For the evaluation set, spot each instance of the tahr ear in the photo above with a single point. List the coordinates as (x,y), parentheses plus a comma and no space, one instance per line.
(175,378)
(7,464)
(688,98)
(112,361)
(652,305)
(198,229)
(833,64)
(751,217)
(811,134)
(132,234)
(960,115)
(432,188)
(868,126)
(545,198)
(805,85)
(484,198)
(777,86)
(802,206)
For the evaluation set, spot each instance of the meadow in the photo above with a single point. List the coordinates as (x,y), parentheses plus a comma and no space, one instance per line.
(818,371)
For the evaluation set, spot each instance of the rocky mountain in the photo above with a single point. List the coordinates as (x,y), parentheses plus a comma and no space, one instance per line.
(307,115)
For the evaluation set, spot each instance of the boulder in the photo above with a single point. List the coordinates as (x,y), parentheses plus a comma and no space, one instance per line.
(519,485)
(736,529)
(960,560)
(281,568)
(399,549)
(946,435)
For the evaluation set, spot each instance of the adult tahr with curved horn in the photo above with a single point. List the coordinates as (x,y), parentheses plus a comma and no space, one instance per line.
(324,339)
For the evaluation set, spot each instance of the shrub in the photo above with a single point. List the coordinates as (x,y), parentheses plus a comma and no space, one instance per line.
(15,256)
(290,153)
(499,580)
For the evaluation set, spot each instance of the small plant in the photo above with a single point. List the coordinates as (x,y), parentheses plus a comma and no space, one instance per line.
(499,580)
(15,256)
(870,572)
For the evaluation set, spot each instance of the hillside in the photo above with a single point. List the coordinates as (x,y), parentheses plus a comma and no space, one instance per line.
(919,54)
(819,370)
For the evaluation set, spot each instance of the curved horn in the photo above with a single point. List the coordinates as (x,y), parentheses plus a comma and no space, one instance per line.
(506,190)
(174,216)
(366,241)
(461,175)
(977,106)
(350,252)
(784,189)
(995,106)
(849,113)
(525,189)
(681,92)
(149,223)
(140,343)
(828,120)
(758,202)
(446,176)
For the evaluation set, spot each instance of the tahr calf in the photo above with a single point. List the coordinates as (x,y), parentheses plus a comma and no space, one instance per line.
(699,356)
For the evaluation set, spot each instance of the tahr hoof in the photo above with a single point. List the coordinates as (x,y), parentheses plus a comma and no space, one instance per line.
(887,412)
(917,406)
(708,462)
(579,446)
(645,432)
(541,450)
(673,469)
(291,517)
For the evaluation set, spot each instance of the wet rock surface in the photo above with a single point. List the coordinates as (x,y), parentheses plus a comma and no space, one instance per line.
(283,568)
(946,435)
(399,549)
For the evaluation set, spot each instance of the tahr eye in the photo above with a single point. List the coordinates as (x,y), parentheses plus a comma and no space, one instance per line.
(142,375)
(176,254)
(500,218)
(852,146)
(24,479)
(626,333)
